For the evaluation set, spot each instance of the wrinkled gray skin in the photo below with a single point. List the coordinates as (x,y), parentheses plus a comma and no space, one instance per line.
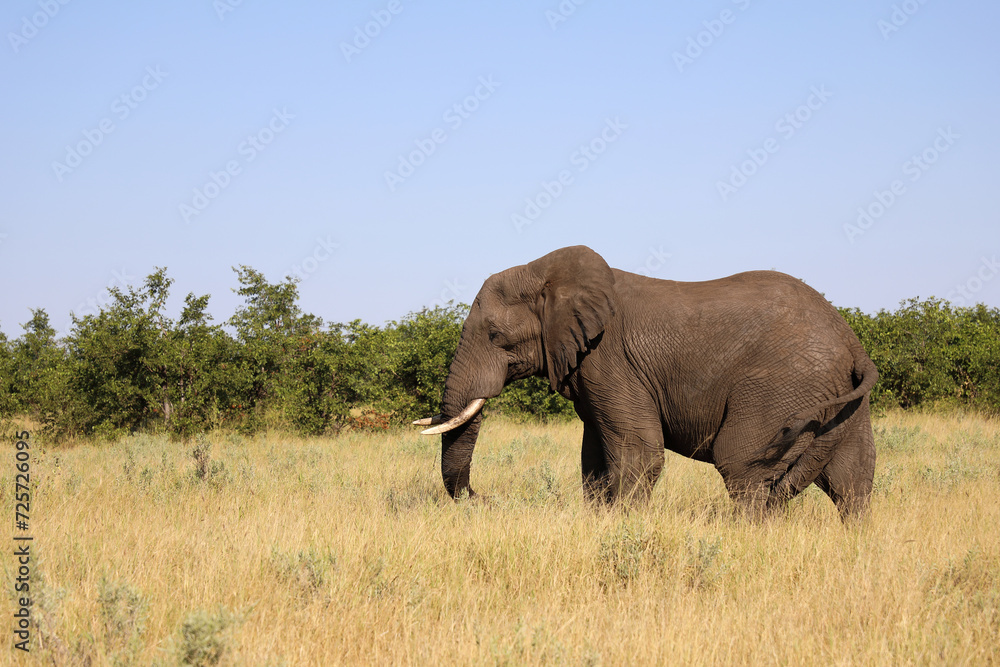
(756,374)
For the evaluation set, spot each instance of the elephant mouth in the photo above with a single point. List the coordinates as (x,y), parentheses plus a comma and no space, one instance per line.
(441,426)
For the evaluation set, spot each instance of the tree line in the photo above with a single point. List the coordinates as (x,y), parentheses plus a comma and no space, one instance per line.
(130,368)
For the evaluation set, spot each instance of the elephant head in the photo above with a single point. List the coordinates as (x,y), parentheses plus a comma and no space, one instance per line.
(541,319)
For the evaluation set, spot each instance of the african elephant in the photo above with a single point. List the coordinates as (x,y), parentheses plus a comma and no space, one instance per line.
(756,374)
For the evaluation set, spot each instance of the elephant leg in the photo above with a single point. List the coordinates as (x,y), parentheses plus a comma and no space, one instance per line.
(641,466)
(593,465)
(847,478)
(622,462)
(750,482)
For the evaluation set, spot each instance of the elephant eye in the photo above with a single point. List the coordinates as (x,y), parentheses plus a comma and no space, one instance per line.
(497,338)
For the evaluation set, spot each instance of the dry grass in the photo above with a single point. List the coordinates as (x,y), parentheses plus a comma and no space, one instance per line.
(284,551)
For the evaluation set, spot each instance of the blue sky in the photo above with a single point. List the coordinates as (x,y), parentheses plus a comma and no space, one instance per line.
(394,154)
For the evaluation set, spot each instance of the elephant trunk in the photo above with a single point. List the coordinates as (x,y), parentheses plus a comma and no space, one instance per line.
(456,456)
(477,372)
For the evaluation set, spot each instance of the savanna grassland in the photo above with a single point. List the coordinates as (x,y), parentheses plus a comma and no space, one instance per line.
(280,550)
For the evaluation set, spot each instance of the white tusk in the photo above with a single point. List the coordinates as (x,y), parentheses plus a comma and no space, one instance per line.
(429,421)
(468,413)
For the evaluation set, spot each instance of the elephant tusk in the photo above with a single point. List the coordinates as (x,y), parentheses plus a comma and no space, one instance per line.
(468,413)
(429,421)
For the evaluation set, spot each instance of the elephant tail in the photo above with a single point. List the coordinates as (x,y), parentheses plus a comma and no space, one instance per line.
(866,375)
(804,470)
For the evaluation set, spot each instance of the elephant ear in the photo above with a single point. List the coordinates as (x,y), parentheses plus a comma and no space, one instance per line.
(577,302)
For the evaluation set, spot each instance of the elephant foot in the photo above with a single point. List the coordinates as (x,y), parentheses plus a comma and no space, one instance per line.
(467,495)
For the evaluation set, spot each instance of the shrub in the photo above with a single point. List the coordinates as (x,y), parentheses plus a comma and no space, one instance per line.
(928,352)
(123,616)
(205,637)
(130,368)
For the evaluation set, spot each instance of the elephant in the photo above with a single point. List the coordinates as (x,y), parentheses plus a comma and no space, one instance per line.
(756,373)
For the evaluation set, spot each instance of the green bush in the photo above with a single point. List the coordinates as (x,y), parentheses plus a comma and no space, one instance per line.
(532,397)
(928,352)
(205,637)
(36,380)
(123,617)
(130,368)
(8,400)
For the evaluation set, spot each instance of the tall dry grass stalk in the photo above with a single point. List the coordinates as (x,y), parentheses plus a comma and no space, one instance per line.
(286,551)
